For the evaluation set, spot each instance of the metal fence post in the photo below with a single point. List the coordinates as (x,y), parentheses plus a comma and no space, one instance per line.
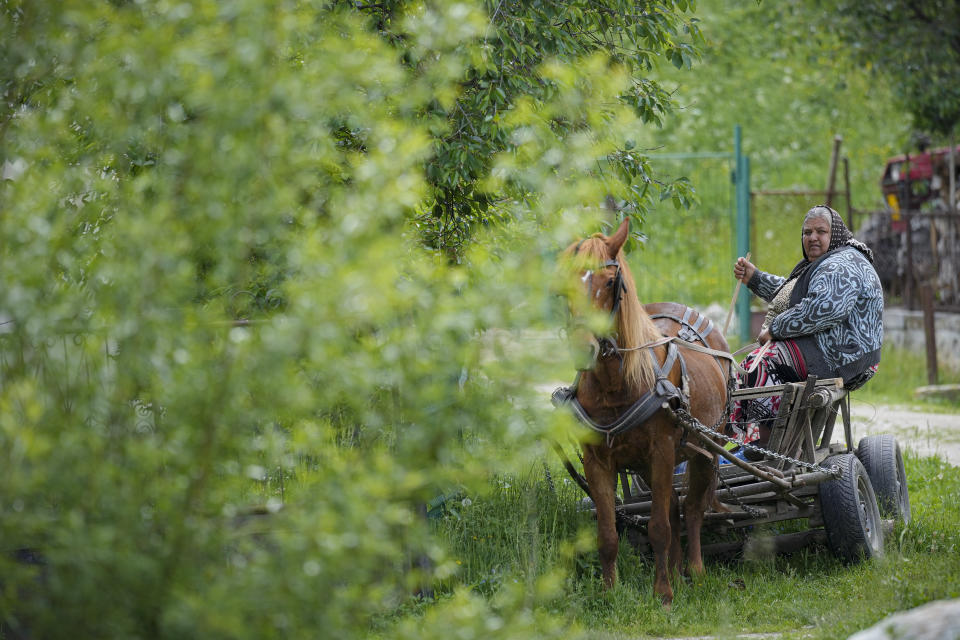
(742,189)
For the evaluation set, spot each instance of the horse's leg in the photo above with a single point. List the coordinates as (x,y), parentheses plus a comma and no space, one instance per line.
(601,478)
(659,529)
(701,485)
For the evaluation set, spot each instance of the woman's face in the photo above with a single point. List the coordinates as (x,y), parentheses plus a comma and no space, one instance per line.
(816,236)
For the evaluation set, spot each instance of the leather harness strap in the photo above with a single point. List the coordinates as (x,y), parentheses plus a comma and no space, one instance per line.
(713,352)
(698,330)
(663,393)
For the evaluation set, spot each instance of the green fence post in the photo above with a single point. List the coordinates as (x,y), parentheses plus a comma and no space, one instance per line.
(742,191)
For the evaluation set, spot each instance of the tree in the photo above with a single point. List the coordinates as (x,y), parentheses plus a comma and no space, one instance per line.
(915,45)
(774,69)
(470,127)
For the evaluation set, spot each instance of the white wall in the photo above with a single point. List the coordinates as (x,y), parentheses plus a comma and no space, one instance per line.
(905,329)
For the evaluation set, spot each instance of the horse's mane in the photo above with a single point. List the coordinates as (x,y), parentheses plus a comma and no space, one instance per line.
(634,326)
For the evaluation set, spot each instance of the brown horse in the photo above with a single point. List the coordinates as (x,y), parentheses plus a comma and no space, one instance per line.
(623,371)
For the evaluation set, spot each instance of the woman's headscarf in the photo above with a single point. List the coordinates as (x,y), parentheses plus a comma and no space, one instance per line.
(840,236)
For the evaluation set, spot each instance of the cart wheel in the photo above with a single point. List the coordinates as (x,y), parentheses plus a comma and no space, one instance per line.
(850,513)
(883,461)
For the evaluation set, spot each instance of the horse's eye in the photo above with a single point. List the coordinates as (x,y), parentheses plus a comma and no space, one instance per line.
(609,283)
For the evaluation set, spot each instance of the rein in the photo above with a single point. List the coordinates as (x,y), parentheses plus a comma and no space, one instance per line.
(688,345)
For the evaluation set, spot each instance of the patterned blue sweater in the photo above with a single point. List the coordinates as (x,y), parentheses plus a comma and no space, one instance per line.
(842,309)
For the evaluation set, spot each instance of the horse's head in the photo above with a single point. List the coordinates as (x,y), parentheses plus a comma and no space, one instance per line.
(598,289)
(607,319)
(598,262)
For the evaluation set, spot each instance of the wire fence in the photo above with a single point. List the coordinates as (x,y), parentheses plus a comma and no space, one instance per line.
(688,254)
(775,229)
(916,249)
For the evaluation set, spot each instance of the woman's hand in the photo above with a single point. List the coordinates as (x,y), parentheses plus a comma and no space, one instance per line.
(764,336)
(743,270)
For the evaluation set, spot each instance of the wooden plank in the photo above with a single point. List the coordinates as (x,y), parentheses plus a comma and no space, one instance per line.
(808,452)
(793,439)
(797,502)
(828,424)
(638,483)
(625,486)
(796,426)
(847,430)
(760,392)
(750,393)
(733,474)
(779,427)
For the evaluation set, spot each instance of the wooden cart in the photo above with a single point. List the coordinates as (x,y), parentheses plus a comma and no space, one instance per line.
(800,475)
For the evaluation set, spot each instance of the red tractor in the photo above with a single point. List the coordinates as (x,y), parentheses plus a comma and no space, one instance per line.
(917,184)
(910,181)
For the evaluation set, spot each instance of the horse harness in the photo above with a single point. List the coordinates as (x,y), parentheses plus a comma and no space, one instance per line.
(663,393)
(698,330)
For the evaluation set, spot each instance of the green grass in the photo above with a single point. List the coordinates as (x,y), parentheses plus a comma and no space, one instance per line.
(901,372)
(526,531)
(526,534)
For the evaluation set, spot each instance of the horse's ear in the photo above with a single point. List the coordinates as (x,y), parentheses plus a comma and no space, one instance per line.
(615,242)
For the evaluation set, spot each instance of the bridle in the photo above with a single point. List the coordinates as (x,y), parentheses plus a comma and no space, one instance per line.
(607,345)
(620,288)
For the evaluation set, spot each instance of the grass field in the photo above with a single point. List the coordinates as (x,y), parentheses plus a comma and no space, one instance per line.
(526,534)
(528,531)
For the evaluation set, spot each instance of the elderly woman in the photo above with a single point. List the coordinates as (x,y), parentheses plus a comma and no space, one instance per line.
(824,319)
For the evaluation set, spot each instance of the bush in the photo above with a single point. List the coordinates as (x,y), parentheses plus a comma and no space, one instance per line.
(229,376)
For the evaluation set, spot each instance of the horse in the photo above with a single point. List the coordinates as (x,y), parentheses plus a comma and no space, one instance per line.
(631,361)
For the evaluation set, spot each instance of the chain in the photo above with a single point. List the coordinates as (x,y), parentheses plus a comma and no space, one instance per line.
(753,511)
(628,520)
(690,422)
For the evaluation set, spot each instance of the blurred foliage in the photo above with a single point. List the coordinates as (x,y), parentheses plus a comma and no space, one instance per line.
(212,287)
(914,46)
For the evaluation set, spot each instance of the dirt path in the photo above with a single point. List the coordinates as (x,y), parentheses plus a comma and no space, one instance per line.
(923,433)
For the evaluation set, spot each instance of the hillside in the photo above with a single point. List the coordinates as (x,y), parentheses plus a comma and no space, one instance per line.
(792,88)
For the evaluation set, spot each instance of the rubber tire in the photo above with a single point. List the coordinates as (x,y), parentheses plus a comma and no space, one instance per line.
(850,514)
(883,461)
